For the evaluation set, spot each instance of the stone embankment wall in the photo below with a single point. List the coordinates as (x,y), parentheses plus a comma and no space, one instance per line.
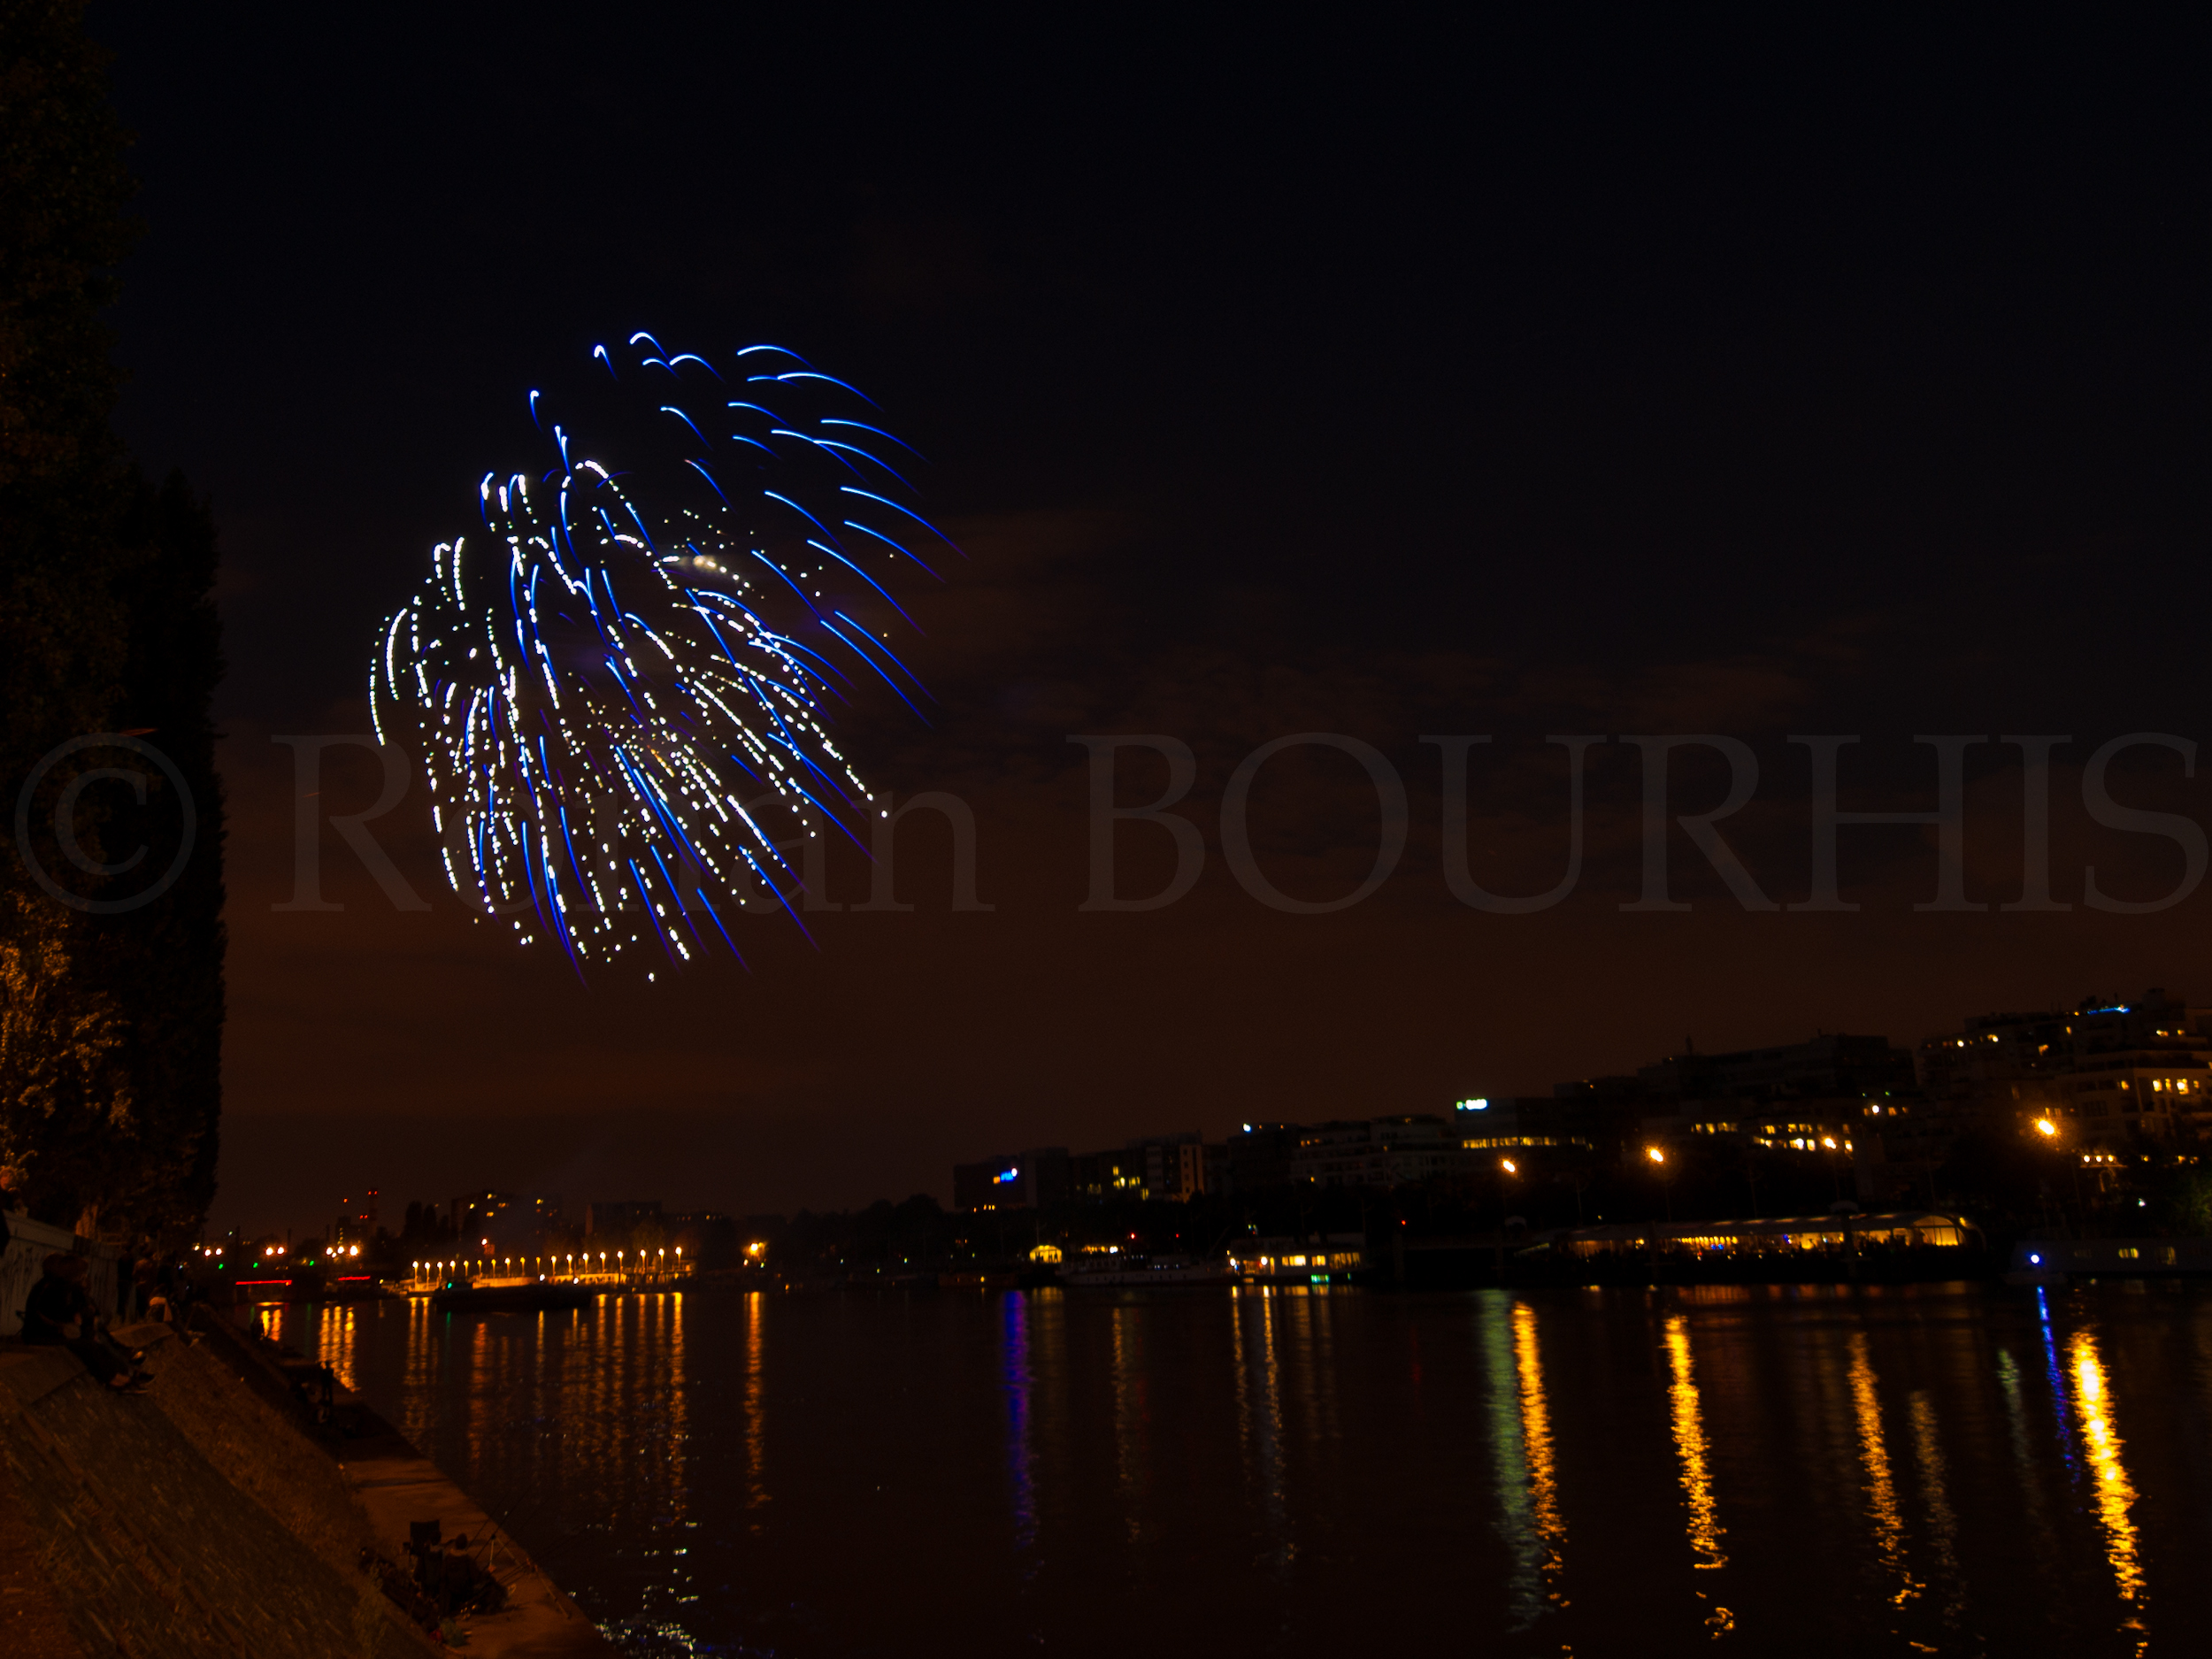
(190,1520)
(205,1517)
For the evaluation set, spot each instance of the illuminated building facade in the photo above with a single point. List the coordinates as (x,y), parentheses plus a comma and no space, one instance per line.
(1815,1097)
(1508,1123)
(1100,1176)
(2113,1072)
(1174,1168)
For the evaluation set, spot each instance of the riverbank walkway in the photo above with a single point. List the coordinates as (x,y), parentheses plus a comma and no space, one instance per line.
(211,1517)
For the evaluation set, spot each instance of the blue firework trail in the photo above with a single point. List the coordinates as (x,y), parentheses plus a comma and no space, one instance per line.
(620,690)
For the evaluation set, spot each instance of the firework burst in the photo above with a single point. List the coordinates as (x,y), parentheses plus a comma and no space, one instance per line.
(620,691)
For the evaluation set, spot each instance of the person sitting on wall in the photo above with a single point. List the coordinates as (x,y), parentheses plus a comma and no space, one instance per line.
(58,1301)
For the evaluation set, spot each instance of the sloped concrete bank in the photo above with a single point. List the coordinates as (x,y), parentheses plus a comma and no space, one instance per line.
(208,1518)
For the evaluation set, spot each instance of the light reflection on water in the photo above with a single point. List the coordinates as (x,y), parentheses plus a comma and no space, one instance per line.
(1941,1469)
(1259,1395)
(1936,1503)
(1551,1531)
(756,1405)
(1132,1459)
(1526,1480)
(1690,1447)
(1887,1520)
(2115,1492)
(1020,1405)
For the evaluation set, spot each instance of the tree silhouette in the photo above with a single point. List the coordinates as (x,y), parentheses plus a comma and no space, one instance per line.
(109,1024)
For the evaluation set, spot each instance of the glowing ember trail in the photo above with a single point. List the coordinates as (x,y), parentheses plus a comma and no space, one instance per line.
(619,691)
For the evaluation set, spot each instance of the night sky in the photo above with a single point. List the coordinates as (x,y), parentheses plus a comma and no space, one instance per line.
(1600,376)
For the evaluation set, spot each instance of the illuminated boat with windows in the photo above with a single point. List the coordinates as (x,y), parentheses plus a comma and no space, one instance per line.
(1333,1259)
(512,1294)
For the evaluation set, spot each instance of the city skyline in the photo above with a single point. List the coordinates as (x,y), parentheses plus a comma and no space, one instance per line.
(1922,1070)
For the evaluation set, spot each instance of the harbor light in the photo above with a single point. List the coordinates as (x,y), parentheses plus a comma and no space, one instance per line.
(1508,1166)
(2044,1127)
(1655,1155)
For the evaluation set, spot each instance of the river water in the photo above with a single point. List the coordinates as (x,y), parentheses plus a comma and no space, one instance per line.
(1761,1471)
